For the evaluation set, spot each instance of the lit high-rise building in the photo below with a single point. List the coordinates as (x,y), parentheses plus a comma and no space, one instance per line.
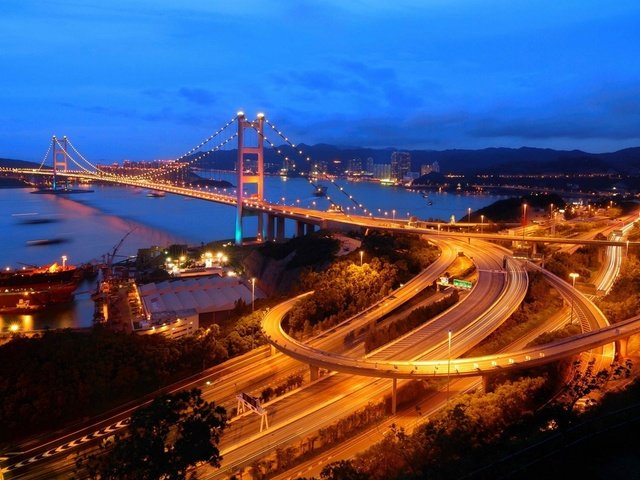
(400,165)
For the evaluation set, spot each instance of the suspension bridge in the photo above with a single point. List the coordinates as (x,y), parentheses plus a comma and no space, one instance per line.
(66,161)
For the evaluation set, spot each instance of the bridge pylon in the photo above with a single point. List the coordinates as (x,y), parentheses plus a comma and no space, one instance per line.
(257,177)
(60,158)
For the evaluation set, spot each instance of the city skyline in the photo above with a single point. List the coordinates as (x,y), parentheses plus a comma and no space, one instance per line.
(151,80)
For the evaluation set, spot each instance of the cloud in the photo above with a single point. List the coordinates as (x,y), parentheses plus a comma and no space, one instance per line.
(607,112)
(199,96)
(164,115)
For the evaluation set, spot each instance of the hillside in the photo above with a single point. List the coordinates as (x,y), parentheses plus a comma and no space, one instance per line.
(524,160)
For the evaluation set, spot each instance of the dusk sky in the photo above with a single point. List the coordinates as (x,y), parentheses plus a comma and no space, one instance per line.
(149,79)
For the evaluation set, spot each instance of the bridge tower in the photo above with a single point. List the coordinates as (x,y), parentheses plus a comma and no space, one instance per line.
(60,157)
(257,151)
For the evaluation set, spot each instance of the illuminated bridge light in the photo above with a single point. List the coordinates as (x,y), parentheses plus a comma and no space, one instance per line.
(494,363)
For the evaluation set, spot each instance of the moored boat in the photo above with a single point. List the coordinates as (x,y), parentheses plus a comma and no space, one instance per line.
(35,288)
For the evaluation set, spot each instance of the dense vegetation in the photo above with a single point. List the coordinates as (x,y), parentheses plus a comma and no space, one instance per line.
(347,287)
(623,301)
(379,336)
(479,435)
(162,440)
(341,291)
(315,249)
(510,209)
(583,261)
(64,375)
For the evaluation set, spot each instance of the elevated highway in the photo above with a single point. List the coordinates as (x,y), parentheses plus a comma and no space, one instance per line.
(598,333)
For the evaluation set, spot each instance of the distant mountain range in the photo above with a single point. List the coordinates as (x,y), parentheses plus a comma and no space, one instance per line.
(468,162)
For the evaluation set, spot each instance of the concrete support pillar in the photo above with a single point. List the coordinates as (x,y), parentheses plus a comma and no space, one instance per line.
(485,383)
(272,350)
(271,228)
(621,347)
(280,229)
(299,228)
(394,396)
(313,371)
(310,228)
(534,248)
(260,234)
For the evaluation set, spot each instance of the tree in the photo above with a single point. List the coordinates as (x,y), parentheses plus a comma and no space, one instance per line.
(342,470)
(163,440)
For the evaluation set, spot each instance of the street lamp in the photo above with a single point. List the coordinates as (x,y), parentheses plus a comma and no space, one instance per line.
(481,222)
(64,257)
(394,213)
(361,254)
(449,367)
(253,292)
(573,278)
(469,215)
(524,219)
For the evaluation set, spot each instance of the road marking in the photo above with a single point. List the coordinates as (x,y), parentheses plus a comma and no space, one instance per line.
(66,446)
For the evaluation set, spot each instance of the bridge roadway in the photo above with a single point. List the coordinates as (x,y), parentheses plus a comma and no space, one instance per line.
(317,217)
(599,333)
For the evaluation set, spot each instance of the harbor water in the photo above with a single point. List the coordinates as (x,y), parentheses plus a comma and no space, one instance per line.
(40,229)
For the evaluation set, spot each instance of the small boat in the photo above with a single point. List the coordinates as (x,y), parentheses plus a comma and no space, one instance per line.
(320,191)
(155,194)
(46,241)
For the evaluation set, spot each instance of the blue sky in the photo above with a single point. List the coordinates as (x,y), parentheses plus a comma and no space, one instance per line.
(144,79)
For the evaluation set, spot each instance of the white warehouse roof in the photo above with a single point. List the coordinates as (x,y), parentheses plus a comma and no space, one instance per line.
(204,294)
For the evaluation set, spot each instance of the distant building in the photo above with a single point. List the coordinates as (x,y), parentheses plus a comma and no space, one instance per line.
(400,165)
(369,169)
(430,167)
(381,170)
(355,166)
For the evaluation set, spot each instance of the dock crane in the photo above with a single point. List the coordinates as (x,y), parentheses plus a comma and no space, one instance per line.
(108,263)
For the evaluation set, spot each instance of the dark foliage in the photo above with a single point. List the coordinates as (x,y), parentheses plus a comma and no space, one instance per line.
(162,440)
(312,249)
(65,375)
(382,335)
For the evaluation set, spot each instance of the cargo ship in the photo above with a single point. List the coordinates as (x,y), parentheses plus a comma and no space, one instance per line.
(35,288)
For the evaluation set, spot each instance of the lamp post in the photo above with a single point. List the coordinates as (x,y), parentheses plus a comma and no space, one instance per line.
(64,257)
(449,366)
(573,278)
(524,219)
(393,212)
(481,222)
(469,215)
(361,254)
(253,292)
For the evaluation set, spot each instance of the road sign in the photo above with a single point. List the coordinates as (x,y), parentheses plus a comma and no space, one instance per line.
(462,283)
